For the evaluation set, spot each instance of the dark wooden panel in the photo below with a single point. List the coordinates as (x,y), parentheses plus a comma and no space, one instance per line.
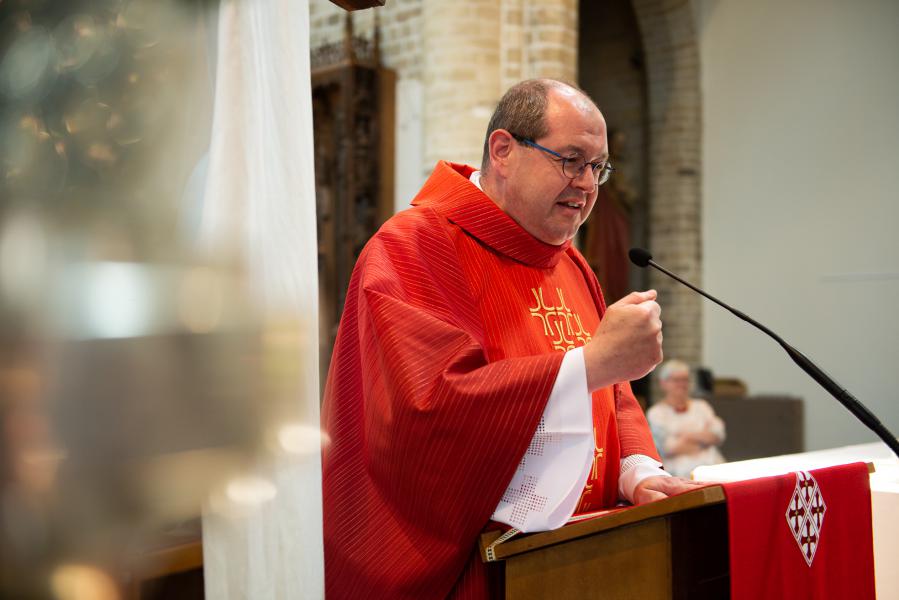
(759,426)
(353,128)
(700,559)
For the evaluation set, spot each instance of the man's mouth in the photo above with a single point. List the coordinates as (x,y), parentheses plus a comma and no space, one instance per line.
(571,204)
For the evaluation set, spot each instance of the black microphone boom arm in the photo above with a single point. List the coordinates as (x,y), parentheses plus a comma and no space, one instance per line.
(642,258)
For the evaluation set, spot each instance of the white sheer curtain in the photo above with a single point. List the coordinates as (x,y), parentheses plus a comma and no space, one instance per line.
(260,199)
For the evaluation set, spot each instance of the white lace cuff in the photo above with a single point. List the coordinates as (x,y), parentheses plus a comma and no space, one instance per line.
(634,469)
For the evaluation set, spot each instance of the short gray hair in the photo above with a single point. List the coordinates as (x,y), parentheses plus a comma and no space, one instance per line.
(522,111)
(670,367)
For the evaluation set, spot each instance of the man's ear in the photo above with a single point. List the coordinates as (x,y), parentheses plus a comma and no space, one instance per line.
(501,145)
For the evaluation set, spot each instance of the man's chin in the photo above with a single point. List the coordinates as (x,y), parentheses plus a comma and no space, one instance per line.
(559,240)
(557,236)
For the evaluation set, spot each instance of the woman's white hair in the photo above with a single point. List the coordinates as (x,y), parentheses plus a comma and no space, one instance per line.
(670,367)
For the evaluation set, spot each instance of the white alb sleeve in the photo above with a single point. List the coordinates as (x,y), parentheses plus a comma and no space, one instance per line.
(549,480)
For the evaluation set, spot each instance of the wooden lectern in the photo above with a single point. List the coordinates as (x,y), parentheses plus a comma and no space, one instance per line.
(674,548)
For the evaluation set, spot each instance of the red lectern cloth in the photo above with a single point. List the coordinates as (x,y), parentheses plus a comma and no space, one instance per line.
(802,535)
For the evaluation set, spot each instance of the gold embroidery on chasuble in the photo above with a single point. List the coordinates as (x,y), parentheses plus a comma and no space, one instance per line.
(561,325)
(597,457)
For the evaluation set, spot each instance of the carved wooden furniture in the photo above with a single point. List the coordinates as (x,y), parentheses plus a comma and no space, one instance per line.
(353,122)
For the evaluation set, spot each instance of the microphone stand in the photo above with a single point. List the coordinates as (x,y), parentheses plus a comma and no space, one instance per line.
(836,390)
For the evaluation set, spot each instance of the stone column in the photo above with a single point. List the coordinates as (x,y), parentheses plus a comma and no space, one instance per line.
(550,39)
(461,43)
(672,62)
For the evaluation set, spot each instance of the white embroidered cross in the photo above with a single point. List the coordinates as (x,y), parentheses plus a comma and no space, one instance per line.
(541,439)
(805,515)
(524,500)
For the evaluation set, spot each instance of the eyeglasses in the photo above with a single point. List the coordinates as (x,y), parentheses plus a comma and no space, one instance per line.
(679,378)
(573,166)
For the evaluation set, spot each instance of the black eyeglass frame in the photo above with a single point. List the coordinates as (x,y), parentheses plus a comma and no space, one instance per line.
(601,170)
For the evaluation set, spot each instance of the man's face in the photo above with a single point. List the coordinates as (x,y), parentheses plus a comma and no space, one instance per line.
(540,197)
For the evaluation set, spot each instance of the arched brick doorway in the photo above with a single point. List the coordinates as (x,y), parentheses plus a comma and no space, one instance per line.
(640,60)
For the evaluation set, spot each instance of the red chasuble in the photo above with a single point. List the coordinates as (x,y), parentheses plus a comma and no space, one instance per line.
(454,328)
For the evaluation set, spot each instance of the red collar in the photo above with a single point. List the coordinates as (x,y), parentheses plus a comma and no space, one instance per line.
(450,193)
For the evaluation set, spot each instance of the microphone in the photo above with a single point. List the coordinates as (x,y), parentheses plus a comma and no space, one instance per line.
(642,258)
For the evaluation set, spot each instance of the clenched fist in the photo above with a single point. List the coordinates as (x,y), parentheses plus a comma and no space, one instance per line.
(628,342)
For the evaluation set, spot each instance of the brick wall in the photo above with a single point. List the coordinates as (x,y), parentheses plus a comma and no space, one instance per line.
(461,80)
(551,38)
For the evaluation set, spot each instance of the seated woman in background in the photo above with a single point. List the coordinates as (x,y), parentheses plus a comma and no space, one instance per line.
(686,430)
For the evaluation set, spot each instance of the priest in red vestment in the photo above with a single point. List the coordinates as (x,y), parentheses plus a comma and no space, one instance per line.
(478,376)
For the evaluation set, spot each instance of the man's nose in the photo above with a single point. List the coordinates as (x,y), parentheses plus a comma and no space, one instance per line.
(584,181)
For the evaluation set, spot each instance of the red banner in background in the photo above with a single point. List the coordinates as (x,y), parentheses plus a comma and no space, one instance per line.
(802,535)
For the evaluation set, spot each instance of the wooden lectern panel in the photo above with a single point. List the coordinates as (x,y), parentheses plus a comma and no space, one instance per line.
(642,551)
(671,549)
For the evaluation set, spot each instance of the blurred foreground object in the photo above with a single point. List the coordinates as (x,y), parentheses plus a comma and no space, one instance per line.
(138,378)
(125,409)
